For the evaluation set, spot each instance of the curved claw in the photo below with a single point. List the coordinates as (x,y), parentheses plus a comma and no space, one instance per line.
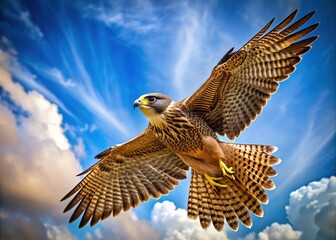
(213,179)
(227,171)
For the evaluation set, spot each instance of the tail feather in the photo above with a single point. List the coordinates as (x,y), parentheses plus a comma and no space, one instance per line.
(215,204)
(203,206)
(240,209)
(229,212)
(193,197)
(256,153)
(252,166)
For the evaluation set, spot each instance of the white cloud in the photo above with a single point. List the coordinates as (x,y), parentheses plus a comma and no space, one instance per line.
(275,232)
(167,222)
(85,92)
(79,148)
(137,17)
(37,166)
(311,213)
(58,232)
(189,39)
(312,209)
(318,134)
(174,224)
(23,74)
(56,75)
(44,115)
(195,42)
(125,227)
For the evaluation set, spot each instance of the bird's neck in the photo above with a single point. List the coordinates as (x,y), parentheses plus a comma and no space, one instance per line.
(160,120)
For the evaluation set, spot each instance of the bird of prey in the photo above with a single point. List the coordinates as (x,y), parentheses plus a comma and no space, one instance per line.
(228,180)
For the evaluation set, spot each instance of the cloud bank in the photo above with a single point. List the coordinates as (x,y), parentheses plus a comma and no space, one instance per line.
(173,223)
(275,232)
(37,165)
(312,209)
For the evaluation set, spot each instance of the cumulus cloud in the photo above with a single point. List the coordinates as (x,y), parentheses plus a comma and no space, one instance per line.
(37,166)
(125,227)
(173,223)
(311,213)
(167,222)
(312,209)
(275,232)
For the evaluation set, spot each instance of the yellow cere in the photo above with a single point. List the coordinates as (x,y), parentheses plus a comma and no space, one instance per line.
(144,101)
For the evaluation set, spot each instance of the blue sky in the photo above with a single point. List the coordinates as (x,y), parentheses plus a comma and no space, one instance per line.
(70,71)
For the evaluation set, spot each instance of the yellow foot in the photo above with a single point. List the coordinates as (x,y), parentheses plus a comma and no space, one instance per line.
(213,179)
(226,171)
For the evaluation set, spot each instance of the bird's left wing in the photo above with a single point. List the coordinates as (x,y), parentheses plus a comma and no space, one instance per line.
(243,81)
(126,175)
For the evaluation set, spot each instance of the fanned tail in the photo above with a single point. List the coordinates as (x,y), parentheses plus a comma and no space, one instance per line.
(252,165)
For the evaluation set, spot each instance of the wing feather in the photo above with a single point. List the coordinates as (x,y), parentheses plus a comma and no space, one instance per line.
(126,175)
(242,82)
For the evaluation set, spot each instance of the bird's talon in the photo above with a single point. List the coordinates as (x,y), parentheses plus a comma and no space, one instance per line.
(213,179)
(227,171)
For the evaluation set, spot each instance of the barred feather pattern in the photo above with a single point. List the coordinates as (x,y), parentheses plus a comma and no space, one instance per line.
(232,203)
(233,96)
(240,85)
(127,175)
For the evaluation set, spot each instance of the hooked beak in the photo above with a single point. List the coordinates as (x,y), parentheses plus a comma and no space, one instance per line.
(137,103)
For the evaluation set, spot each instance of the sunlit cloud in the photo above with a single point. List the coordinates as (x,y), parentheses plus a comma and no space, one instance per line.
(126,226)
(35,155)
(173,223)
(275,232)
(312,209)
(71,74)
(25,76)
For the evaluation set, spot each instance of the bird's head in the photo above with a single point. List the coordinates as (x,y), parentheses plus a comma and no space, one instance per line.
(153,105)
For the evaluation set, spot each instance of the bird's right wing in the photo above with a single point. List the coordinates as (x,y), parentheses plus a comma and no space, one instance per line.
(126,175)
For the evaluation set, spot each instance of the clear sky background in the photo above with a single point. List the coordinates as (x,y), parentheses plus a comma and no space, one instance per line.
(70,71)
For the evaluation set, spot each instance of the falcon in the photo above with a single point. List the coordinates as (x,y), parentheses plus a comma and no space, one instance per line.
(228,180)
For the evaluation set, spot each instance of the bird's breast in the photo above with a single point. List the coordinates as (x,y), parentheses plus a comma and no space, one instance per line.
(182,133)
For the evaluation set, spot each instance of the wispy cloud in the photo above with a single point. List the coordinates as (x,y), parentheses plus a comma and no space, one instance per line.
(189,40)
(14,10)
(56,75)
(87,91)
(22,74)
(319,133)
(137,17)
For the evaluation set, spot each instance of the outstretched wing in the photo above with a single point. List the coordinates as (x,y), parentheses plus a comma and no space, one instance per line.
(126,175)
(243,81)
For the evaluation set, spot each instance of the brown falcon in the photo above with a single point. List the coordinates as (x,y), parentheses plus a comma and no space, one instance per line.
(227,179)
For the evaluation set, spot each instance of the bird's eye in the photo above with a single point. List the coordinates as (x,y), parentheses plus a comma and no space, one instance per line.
(151,99)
